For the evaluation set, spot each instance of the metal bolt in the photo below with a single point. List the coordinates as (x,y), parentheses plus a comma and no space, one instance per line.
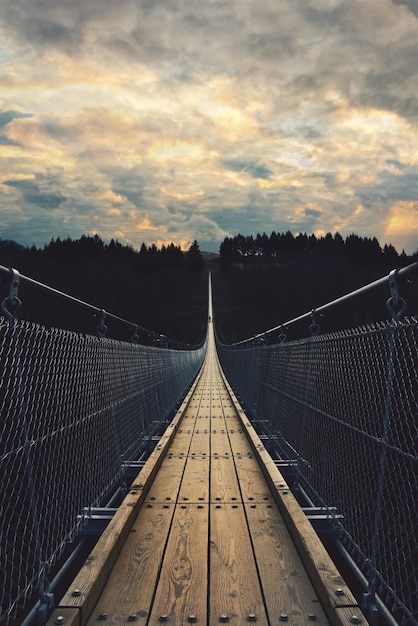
(192,619)
(102,617)
(59,620)
(76,593)
(132,617)
(339,591)
(223,618)
(251,617)
(283,617)
(163,617)
(355,619)
(312,617)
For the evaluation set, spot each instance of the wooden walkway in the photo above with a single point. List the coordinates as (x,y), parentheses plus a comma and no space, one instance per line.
(209,534)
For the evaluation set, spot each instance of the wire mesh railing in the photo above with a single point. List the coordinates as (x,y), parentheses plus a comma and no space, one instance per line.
(75,411)
(344,406)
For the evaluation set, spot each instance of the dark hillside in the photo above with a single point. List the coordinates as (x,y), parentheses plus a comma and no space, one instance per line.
(263,282)
(160,292)
(256,285)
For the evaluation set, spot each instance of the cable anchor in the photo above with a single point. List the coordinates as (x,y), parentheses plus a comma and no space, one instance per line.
(102,328)
(396,305)
(282,335)
(12,300)
(314,327)
(135,336)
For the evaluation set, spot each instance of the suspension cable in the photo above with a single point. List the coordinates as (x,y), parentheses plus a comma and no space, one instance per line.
(402,273)
(17,278)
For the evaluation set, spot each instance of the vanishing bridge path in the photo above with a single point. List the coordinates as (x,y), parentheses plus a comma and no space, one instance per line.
(213,483)
(209,532)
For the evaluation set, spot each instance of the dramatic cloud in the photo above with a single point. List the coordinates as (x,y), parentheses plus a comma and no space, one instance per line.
(168,122)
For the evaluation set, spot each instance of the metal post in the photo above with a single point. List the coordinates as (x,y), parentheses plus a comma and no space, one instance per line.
(396,306)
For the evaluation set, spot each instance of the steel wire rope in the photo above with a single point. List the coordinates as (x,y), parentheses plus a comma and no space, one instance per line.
(401,273)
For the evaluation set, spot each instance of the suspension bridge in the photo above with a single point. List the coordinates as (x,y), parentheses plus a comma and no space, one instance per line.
(268,482)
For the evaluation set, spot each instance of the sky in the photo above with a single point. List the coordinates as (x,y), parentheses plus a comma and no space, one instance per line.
(166,121)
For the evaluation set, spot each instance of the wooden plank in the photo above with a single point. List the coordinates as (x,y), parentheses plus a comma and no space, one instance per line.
(347,616)
(287,590)
(251,480)
(166,484)
(200,442)
(71,617)
(195,483)
(234,589)
(321,569)
(219,442)
(224,485)
(182,587)
(238,438)
(131,585)
(184,436)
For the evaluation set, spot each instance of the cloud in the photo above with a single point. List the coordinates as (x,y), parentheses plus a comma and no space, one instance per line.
(5,118)
(411,4)
(312,213)
(33,194)
(185,120)
(257,170)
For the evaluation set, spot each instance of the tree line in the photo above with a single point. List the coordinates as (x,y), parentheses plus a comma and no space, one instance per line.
(283,247)
(258,282)
(157,288)
(147,257)
(267,280)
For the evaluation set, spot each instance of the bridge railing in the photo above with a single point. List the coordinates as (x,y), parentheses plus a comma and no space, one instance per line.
(75,411)
(344,407)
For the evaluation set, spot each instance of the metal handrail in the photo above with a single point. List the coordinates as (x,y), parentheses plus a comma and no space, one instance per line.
(16,278)
(390,279)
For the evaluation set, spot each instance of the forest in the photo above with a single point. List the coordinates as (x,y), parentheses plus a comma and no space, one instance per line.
(259,282)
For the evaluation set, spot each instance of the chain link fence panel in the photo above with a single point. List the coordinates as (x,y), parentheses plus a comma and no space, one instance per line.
(75,410)
(345,406)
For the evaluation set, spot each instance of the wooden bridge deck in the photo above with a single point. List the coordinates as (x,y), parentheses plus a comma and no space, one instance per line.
(209,533)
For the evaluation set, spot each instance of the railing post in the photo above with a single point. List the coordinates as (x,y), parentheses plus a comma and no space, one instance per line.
(314,330)
(396,307)
(282,341)
(12,300)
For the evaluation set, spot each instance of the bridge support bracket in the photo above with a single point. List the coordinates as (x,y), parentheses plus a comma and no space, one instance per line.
(46,607)
(98,519)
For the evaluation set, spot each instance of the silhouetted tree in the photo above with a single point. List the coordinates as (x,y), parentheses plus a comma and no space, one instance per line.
(194,257)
